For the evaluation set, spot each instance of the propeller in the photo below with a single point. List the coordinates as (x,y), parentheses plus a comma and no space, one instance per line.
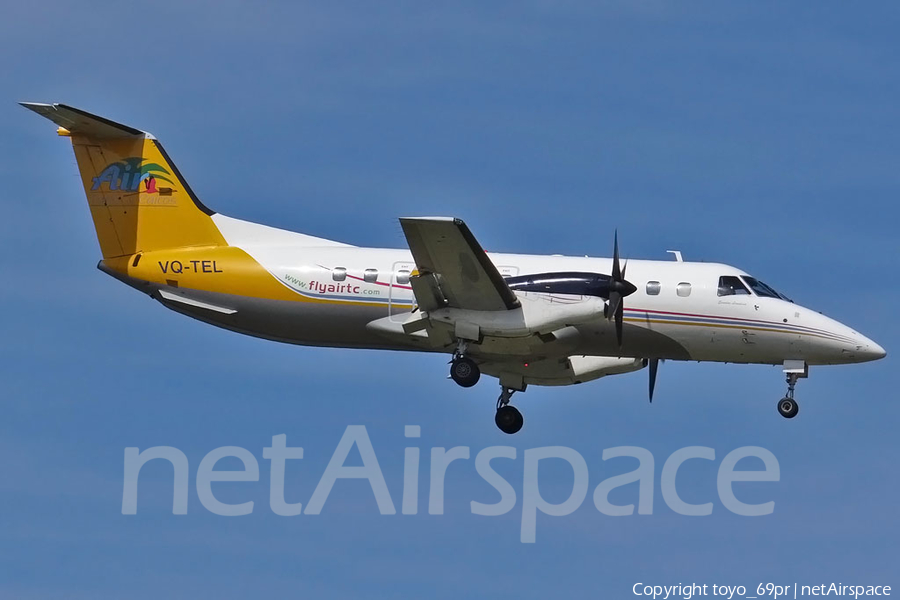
(618,289)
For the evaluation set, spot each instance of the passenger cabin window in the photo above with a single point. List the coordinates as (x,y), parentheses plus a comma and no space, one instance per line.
(683,289)
(653,288)
(729,285)
(370,275)
(339,273)
(403,277)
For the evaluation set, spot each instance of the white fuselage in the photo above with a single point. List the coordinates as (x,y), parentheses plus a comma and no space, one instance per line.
(686,319)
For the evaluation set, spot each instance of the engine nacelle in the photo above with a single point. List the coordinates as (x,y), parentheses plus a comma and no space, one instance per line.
(565,371)
(538,313)
(586,368)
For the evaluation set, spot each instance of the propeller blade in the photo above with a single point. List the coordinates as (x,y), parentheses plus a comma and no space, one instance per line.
(616,271)
(653,363)
(615,299)
(626,287)
(620,313)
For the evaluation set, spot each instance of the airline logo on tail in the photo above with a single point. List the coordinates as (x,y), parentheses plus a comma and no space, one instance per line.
(127,175)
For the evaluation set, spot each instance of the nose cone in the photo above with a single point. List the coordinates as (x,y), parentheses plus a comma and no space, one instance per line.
(871,350)
(838,343)
(861,349)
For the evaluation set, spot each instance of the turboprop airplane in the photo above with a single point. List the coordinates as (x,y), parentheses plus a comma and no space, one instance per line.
(524,319)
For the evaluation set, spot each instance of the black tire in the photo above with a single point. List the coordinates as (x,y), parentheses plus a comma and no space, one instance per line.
(788,408)
(509,419)
(464,371)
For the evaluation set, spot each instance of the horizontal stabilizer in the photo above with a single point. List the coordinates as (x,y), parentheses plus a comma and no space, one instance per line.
(79,122)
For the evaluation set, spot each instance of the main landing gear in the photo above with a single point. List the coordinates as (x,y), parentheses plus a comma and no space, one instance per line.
(463,370)
(787,406)
(508,417)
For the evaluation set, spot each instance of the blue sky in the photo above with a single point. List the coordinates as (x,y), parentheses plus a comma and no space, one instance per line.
(763,135)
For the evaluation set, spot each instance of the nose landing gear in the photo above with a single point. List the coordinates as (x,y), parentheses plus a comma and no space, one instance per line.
(508,417)
(794,369)
(787,406)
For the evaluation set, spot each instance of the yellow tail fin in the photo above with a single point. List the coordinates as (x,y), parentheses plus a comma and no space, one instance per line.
(138,199)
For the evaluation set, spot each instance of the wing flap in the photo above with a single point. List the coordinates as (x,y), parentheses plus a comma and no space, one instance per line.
(427,291)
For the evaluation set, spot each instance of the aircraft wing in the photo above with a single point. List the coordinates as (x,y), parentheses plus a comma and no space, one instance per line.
(454,270)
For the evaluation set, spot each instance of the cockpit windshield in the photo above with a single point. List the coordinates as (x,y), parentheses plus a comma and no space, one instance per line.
(761,289)
(729,285)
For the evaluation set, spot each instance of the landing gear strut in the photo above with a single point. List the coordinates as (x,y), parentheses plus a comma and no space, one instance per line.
(787,406)
(463,370)
(508,417)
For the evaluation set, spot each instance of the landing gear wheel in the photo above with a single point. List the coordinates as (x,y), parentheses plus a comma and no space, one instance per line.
(464,371)
(509,419)
(788,408)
